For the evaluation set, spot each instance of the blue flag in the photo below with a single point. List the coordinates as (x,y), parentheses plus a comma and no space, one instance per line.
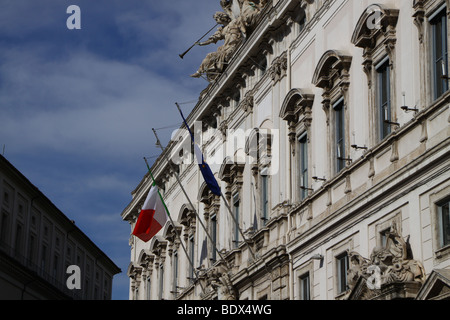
(204,168)
(206,172)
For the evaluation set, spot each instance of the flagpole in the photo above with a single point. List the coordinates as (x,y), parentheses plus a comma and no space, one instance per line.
(175,228)
(239,228)
(225,200)
(158,143)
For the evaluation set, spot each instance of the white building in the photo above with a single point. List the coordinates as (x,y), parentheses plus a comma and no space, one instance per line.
(328,130)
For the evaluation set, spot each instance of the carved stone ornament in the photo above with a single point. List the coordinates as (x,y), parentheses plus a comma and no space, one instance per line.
(218,279)
(238,19)
(390,267)
(279,67)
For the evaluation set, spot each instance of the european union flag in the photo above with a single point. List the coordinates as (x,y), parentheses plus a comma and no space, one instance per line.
(204,168)
(206,172)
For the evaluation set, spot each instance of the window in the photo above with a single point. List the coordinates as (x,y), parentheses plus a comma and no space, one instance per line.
(4,228)
(31,250)
(264,197)
(439,52)
(341,272)
(384,99)
(18,240)
(339,115)
(149,288)
(175,275)
(214,236)
(43,257)
(161,281)
(376,33)
(191,257)
(236,217)
(6,199)
(303,166)
(304,281)
(444,223)
(55,272)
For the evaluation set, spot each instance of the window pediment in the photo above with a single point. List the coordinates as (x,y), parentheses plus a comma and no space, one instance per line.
(333,64)
(296,102)
(157,245)
(375,20)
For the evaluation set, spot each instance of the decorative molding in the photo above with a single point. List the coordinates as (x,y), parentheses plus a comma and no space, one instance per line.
(393,263)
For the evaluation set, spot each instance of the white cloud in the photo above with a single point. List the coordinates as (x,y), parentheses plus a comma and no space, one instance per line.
(85,104)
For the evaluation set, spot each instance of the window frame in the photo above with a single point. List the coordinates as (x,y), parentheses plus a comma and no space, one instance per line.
(236,213)
(161,281)
(303,180)
(341,286)
(384,106)
(175,273)
(303,279)
(339,135)
(213,230)
(265,207)
(439,17)
(443,242)
(191,257)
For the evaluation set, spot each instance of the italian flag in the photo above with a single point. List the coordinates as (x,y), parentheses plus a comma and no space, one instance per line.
(152,217)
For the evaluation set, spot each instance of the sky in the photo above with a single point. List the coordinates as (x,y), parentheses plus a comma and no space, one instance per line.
(77,106)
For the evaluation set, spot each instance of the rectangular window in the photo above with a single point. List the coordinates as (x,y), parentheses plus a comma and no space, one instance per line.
(6,199)
(214,236)
(384,99)
(264,197)
(18,241)
(444,223)
(31,250)
(191,256)
(303,166)
(339,114)
(43,257)
(342,267)
(161,282)
(439,52)
(305,287)
(55,272)
(236,217)
(4,228)
(175,275)
(149,288)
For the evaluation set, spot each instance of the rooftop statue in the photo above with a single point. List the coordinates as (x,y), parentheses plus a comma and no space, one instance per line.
(214,62)
(235,26)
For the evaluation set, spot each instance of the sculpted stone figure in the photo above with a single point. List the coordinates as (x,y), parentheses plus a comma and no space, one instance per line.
(214,62)
(220,280)
(249,14)
(237,20)
(394,260)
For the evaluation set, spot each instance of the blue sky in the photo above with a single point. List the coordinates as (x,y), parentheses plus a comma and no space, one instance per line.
(77,106)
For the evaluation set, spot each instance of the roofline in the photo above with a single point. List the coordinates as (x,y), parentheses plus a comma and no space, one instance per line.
(41,197)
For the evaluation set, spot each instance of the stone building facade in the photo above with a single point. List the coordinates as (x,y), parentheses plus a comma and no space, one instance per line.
(326,124)
(43,254)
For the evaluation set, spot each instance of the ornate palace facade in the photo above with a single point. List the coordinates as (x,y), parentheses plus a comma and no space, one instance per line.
(326,124)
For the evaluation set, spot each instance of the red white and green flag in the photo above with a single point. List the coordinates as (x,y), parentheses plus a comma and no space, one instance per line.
(152,217)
